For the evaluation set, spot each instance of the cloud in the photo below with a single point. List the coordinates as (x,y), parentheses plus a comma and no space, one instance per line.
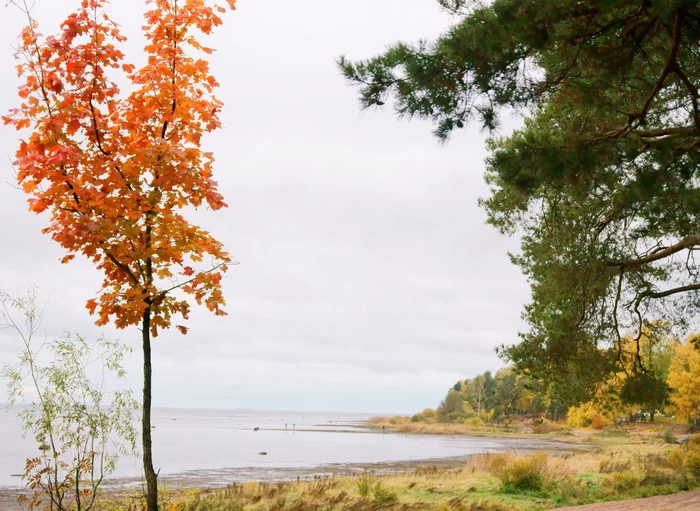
(368,278)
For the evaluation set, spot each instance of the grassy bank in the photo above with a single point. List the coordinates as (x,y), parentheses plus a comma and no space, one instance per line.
(636,432)
(522,429)
(401,424)
(625,466)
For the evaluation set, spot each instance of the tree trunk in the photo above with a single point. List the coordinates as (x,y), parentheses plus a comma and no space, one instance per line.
(151,476)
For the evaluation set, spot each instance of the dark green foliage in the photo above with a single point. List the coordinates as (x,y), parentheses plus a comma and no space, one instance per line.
(508,394)
(603,179)
(645,390)
(669,437)
(452,407)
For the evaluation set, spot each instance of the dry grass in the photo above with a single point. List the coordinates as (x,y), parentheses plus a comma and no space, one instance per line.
(487,482)
(428,489)
(631,462)
(441,428)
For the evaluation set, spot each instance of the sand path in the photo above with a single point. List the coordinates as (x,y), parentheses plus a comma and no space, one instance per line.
(686,501)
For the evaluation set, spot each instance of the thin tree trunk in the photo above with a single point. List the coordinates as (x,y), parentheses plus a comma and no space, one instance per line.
(151,477)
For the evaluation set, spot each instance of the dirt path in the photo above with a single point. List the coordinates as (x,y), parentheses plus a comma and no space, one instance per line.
(686,501)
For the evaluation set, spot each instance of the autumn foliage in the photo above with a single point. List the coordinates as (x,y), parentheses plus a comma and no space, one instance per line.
(684,379)
(115,170)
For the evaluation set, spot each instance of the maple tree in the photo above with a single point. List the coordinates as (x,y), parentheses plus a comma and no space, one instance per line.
(115,170)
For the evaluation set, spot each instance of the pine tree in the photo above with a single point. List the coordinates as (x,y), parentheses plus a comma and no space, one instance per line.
(603,179)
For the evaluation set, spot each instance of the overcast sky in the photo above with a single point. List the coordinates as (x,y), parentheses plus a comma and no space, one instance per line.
(368,279)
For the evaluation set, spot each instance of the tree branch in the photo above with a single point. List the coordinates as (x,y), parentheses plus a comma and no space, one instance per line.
(668,292)
(123,268)
(669,66)
(685,243)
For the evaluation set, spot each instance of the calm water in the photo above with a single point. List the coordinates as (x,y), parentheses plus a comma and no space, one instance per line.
(211,448)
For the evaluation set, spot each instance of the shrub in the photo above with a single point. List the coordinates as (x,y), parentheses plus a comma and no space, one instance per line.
(669,437)
(598,421)
(692,462)
(454,417)
(474,421)
(382,495)
(365,481)
(544,427)
(429,413)
(694,443)
(498,462)
(676,458)
(367,484)
(580,416)
(525,473)
(655,477)
(399,420)
(85,428)
(621,481)
(417,418)
(480,463)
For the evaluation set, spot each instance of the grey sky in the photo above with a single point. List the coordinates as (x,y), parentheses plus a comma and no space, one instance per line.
(368,278)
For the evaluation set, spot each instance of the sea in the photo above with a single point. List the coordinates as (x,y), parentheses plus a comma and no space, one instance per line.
(212,448)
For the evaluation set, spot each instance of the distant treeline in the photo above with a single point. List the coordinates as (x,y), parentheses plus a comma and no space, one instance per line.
(657,373)
(495,397)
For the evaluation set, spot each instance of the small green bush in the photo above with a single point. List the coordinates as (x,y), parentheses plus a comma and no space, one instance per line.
(669,437)
(384,496)
(365,482)
(367,485)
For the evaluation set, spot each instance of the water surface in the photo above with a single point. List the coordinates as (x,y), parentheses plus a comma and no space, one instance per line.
(216,447)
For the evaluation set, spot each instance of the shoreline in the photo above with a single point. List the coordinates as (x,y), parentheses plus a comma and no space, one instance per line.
(581,467)
(208,480)
(215,479)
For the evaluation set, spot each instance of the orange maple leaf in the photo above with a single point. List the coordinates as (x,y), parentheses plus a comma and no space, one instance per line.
(115,168)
